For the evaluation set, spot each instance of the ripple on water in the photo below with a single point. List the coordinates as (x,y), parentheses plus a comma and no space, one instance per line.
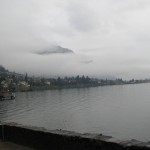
(120,111)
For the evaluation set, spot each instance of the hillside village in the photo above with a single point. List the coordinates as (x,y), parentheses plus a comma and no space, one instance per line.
(18,82)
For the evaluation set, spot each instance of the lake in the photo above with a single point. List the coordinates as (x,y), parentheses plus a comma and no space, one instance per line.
(121,111)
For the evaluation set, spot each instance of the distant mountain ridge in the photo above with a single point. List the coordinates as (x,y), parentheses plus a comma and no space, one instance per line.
(4,72)
(54,50)
(2,69)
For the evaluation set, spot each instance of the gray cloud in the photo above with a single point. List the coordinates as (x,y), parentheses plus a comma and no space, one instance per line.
(129,5)
(87,61)
(109,37)
(54,49)
(82,17)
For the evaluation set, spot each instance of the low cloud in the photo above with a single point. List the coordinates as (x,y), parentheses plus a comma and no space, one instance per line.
(108,37)
(54,50)
(87,61)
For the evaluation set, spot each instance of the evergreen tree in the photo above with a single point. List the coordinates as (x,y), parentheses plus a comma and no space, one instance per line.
(26,77)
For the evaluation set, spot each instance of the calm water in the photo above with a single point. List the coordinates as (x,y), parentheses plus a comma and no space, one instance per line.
(119,111)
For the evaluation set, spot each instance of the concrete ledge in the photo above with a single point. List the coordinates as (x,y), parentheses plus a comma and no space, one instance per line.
(42,139)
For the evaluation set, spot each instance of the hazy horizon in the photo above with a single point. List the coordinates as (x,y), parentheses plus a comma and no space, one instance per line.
(108,38)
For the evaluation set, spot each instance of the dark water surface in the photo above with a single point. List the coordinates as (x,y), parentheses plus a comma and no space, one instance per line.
(121,111)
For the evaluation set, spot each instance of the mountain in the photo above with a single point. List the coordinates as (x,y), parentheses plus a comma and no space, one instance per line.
(2,69)
(54,50)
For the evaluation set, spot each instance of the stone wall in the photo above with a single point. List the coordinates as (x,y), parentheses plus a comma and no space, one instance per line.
(42,139)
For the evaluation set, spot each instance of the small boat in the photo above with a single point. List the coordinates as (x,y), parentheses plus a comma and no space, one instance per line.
(7,95)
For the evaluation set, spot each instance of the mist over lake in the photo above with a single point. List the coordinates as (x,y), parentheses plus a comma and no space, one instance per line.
(75,65)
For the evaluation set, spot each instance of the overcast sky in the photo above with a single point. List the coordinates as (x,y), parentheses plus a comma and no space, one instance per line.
(108,37)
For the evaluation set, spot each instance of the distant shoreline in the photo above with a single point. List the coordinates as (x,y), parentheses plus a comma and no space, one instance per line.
(11,81)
